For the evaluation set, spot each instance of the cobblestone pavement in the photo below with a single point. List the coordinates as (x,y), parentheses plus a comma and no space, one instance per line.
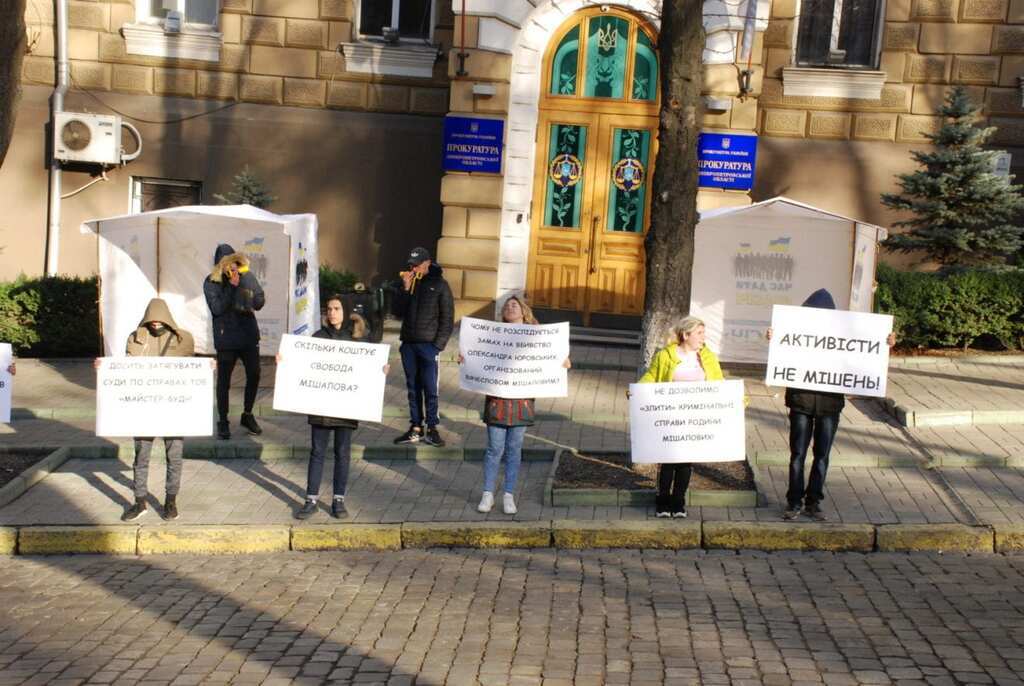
(544,618)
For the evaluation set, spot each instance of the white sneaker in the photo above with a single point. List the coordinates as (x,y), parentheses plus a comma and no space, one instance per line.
(508,504)
(486,502)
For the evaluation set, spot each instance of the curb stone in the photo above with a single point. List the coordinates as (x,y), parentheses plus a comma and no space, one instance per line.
(63,540)
(347,537)
(935,537)
(213,540)
(549,482)
(789,536)
(476,535)
(8,540)
(33,475)
(653,534)
(1009,538)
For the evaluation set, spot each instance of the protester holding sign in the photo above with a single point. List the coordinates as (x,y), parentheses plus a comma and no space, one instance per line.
(234,294)
(506,420)
(321,427)
(157,336)
(813,414)
(6,390)
(685,358)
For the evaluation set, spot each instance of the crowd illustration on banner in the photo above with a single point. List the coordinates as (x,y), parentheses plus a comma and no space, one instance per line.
(682,409)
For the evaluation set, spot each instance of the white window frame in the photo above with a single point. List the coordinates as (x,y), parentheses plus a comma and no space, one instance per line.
(395,8)
(836,79)
(194,41)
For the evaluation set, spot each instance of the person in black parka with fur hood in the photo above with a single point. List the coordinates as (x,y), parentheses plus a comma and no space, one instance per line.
(234,295)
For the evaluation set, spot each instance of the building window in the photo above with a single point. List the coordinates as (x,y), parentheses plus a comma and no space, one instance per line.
(394,19)
(839,33)
(183,29)
(160,194)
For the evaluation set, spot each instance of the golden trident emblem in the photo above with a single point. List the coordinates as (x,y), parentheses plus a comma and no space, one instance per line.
(608,37)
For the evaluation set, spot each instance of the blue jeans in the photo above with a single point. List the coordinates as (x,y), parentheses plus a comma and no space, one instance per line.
(342,453)
(802,427)
(419,360)
(507,441)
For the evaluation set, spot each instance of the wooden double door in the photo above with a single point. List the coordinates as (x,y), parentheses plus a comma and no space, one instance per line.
(591,212)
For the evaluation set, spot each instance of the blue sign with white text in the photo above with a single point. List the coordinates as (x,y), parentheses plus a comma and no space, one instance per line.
(726,160)
(473,144)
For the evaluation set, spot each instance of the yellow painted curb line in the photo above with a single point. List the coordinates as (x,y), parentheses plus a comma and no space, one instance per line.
(65,540)
(8,540)
(477,535)
(789,536)
(347,537)
(213,540)
(651,534)
(935,537)
(1009,538)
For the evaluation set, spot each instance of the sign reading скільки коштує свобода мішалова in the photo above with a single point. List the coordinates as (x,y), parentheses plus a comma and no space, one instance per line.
(829,350)
(331,378)
(514,360)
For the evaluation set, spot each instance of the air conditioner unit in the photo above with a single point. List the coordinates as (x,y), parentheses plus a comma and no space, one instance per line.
(88,138)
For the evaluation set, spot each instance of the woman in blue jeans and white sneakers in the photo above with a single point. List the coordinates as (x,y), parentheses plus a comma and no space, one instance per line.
(506,421)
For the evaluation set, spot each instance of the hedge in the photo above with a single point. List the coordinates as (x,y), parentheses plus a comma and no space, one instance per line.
(964,308)
(50,316)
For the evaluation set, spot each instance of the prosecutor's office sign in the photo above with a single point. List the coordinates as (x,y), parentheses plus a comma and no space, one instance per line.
(514,360)
(726,160)
(319,376)
(686,422)
(829,350)
(154,396)
(473,144)
(6,389)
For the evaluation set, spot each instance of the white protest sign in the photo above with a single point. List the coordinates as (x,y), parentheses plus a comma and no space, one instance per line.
(154,396)
(686,422)
(514,360)
(6,382)
(329,378)
(829,350)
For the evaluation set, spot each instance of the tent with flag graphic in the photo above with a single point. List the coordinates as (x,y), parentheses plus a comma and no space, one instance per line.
(168,253)
(775,252)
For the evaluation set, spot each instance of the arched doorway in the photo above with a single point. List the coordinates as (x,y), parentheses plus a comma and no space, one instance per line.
(596,145)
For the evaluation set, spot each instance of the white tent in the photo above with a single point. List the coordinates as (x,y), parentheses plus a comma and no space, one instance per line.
(775,252)
(168,254)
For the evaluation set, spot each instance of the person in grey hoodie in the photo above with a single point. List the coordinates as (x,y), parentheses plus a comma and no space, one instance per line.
(234,295)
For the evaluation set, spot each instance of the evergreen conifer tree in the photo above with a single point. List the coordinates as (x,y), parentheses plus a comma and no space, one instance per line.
(964,215)
(247,189)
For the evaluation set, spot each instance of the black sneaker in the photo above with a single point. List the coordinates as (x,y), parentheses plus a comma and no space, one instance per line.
(170,508)
(413,435)
(791,512)
(814,511)
(307,510)
(223,430)
(135,511)
(338,510)
(433,438)
(249,422)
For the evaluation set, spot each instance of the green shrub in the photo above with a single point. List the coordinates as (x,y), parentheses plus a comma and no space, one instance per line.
(333,281)
(953,309)
(50,316)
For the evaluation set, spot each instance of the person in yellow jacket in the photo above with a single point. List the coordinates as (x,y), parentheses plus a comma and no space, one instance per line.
(685,358)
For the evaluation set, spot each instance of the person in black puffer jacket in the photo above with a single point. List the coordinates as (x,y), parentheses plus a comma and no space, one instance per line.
(321,427)
(234,295)
(427,310)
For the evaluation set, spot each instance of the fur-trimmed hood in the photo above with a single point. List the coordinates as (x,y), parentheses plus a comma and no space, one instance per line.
(224,256)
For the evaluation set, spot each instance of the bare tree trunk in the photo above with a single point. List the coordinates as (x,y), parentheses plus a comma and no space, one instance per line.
(12,51)
(669,242)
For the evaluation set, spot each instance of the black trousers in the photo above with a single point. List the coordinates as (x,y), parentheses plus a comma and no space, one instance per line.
(802,428)
(226,365)
(342,454)
(673,480)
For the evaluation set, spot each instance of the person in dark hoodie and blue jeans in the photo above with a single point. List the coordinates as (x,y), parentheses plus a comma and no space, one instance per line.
(813,415)
(427,310)
(234,295)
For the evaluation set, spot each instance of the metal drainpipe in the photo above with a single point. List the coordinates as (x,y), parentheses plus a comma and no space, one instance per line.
(57,106)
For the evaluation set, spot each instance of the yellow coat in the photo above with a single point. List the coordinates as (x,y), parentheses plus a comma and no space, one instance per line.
(664,363)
